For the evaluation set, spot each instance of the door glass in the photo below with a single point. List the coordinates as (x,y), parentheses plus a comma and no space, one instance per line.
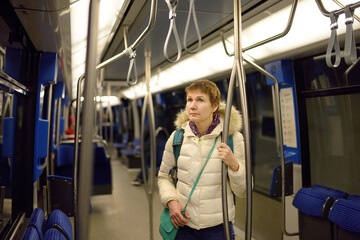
(334,137)
(263,142)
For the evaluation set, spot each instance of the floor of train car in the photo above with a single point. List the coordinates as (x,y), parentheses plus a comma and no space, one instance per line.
(125,213)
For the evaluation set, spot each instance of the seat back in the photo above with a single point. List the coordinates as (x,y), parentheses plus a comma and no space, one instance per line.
(54,234)
(136,145)
(64,155)
(61,191)
(312,202)
(31,234)
(334,193)
(346,214)
(59,221)
(100,155)
(38,223)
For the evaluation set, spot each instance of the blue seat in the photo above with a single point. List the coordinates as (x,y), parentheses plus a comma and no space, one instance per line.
(355,198)
(346,214)
(54,234)
(134,149)
(331,192)
(311,202)
(64,155)
(100,155)
(31,234)
(123,143)
(38,223)
(102,172)
(59,221)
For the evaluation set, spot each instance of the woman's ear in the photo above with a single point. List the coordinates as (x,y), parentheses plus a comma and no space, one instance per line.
(215,107)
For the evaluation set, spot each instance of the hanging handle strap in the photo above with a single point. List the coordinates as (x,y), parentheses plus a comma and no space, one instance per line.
(172,4)
(196,25)
(333,43)
(198,177)
(350,54)
(132,67)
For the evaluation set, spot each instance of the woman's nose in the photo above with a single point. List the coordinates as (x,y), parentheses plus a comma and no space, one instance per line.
(193,105)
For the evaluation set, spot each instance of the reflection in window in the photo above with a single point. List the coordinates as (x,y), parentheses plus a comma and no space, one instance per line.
(263,142)
(334,137)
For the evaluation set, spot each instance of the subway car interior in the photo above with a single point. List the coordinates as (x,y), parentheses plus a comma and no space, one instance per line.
(90,89)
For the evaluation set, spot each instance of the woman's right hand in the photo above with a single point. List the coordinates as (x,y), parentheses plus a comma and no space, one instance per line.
(177,218)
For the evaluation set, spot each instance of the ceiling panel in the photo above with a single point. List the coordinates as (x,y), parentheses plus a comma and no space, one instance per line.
(211,15)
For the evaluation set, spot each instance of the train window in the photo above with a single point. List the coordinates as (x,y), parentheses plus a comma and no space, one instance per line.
(318,76)
(334,134)
(263,142)
(328,98)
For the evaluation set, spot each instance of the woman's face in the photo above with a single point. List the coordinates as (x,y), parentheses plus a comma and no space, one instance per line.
(199,107)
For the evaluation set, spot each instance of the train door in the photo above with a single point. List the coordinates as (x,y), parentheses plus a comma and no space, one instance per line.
(268,221)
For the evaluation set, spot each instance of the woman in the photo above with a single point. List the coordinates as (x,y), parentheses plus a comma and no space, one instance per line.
(202,122)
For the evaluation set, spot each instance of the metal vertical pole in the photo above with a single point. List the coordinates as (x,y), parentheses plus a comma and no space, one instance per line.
(86,156)
(111,120)
(149,108)
(224,168)
(49,113)
(58,116)
(101,117)
(76,150)
(244,111)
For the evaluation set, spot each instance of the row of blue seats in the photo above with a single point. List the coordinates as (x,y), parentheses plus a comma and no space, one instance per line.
(325,207)
(132,150)
(57,227)
(102,169)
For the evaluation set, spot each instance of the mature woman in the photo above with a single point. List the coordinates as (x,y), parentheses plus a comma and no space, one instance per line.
(202,122)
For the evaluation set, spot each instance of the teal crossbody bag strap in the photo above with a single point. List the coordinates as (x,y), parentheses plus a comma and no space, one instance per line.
(231,143)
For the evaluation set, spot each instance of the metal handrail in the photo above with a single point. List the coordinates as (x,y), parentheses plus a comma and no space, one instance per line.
(279,137)
(270,39)
(159,129)
(238,70)
(148,107)
(244,110)
(139,40)
(12,84)
(76,149)
(342,6)
(86,155)
(196,25)
(337,12)
(49,128)
(172,4)
(280,35)
(224,169)
(276,107)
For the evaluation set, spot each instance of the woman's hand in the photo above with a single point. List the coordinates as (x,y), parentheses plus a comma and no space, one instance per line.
(226,155)
(177,218)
